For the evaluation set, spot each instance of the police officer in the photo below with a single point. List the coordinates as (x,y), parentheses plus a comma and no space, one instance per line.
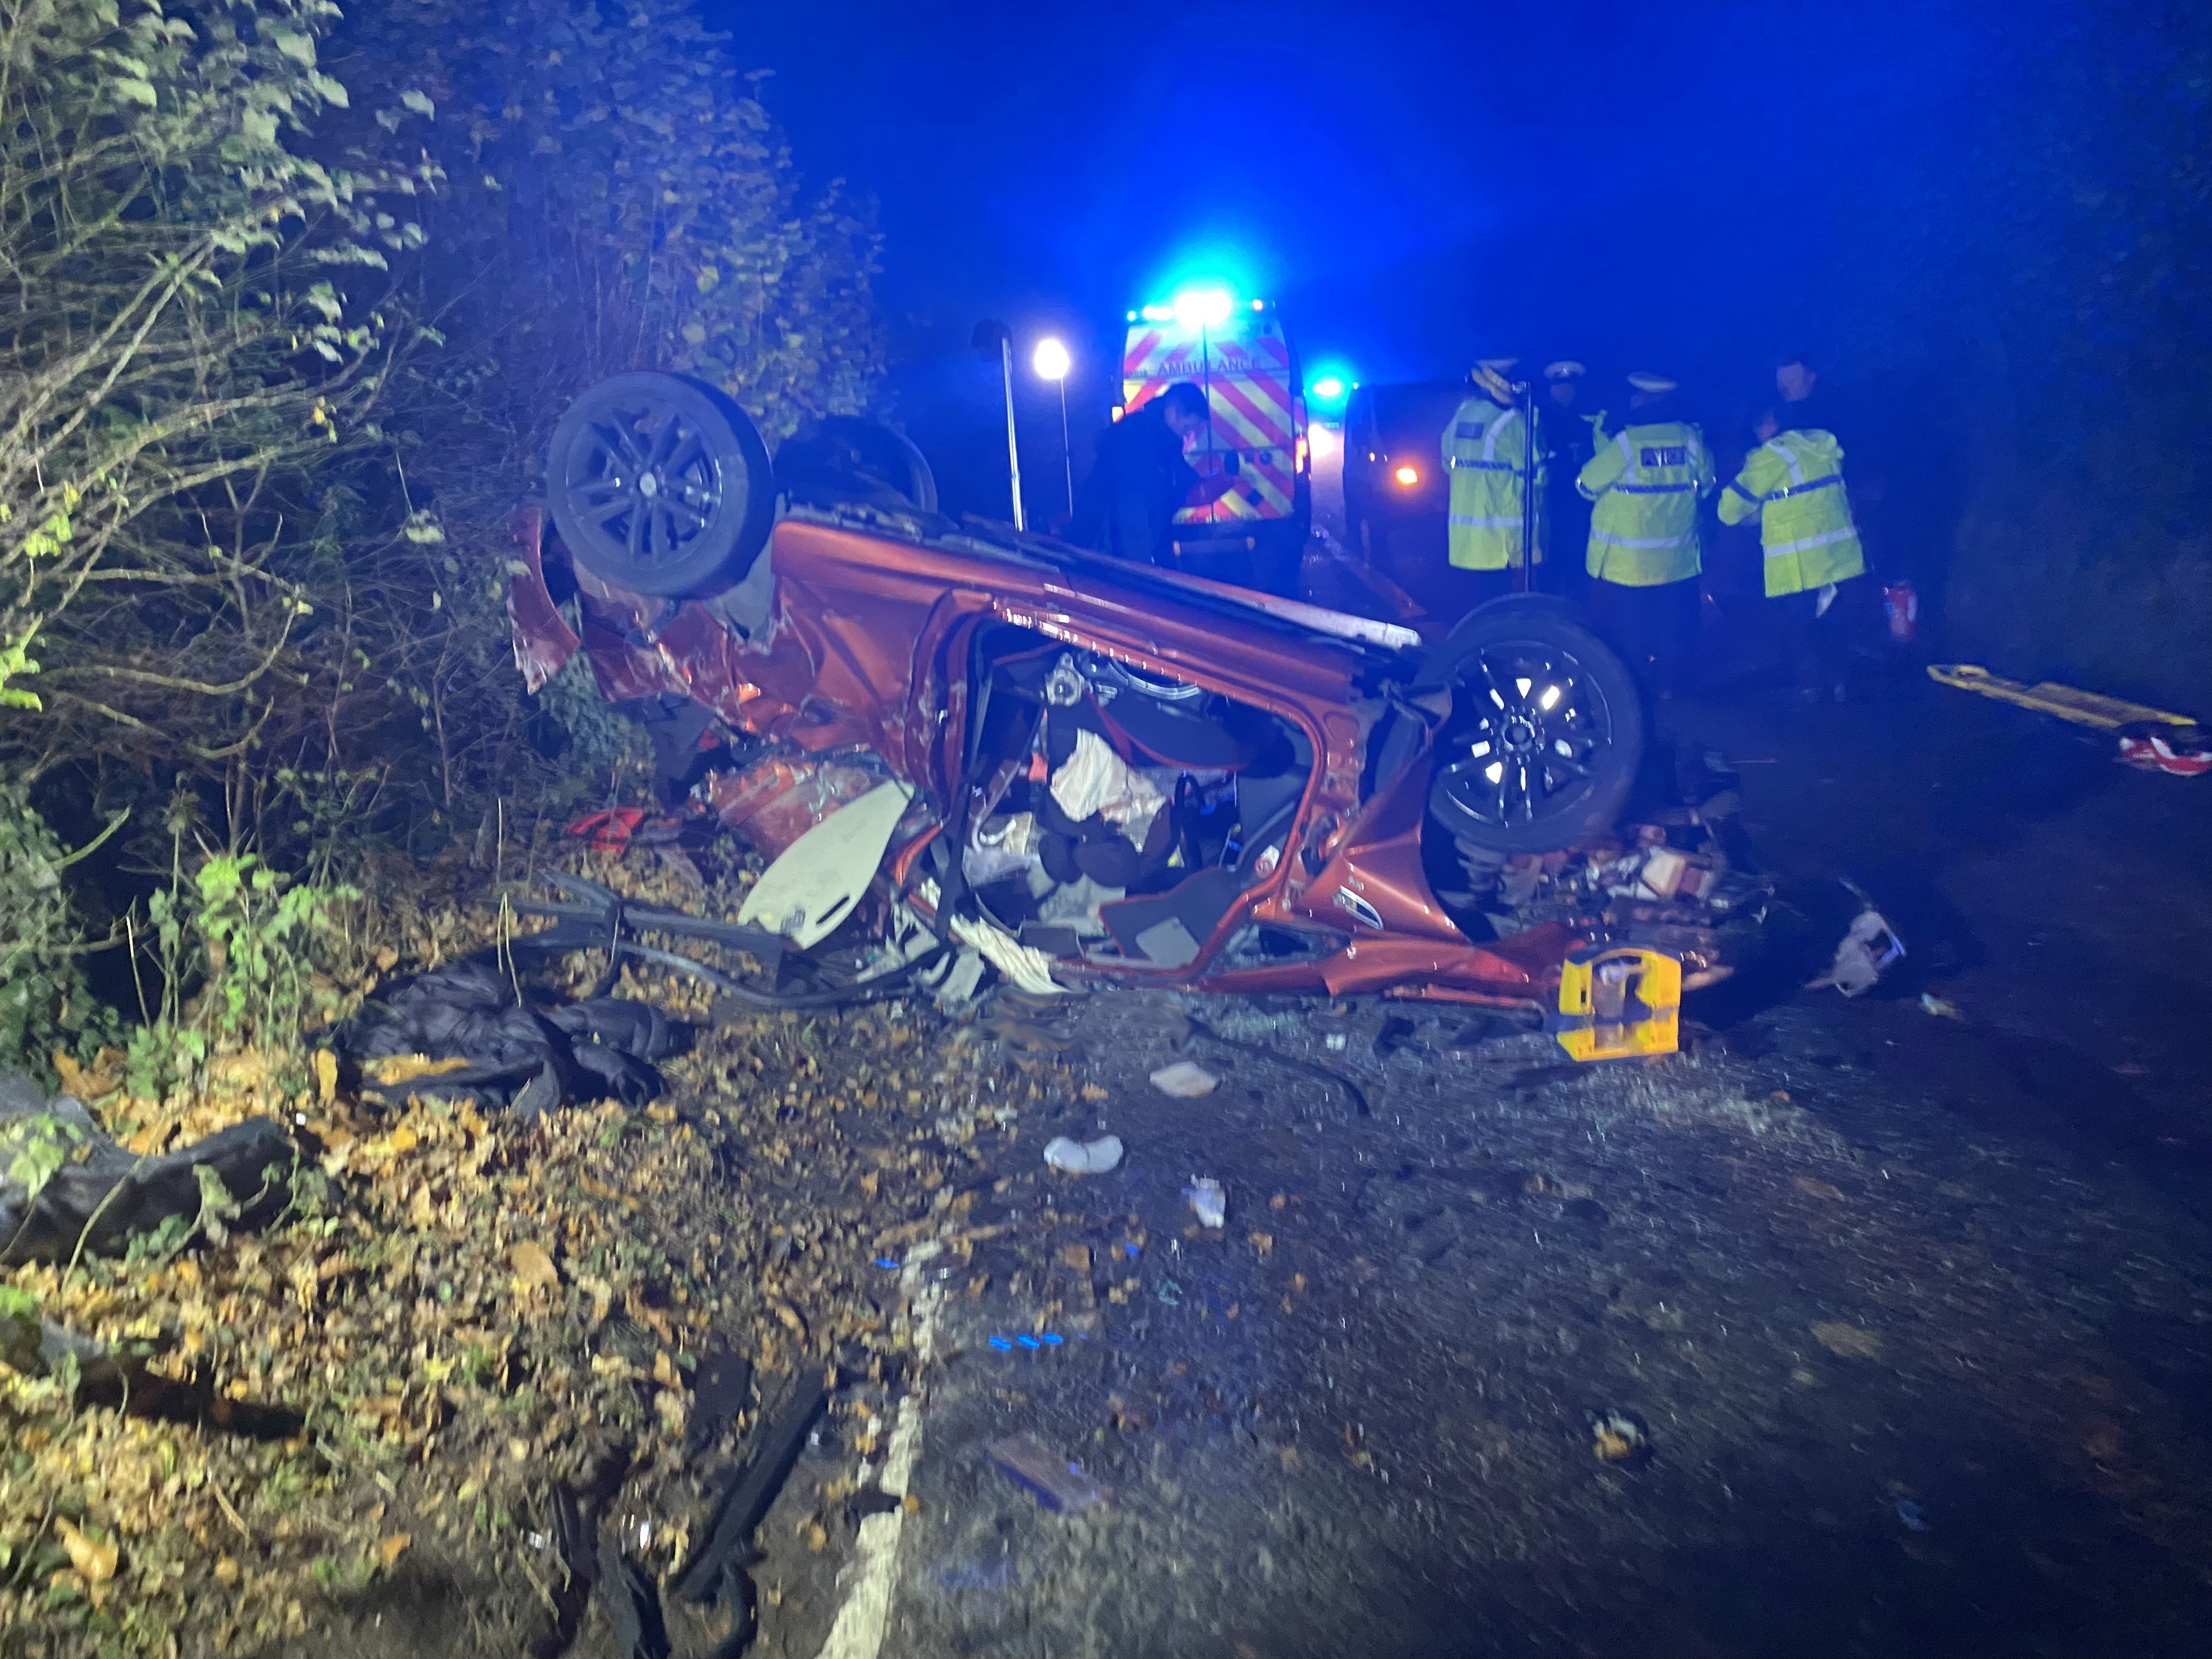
(1644,486)
(1570,434)
(1793,484)
(1485,450)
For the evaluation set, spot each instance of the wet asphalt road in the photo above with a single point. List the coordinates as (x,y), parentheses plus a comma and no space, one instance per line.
(1916,1312)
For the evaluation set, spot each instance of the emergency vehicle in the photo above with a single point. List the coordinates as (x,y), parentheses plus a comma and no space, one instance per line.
(1247,520)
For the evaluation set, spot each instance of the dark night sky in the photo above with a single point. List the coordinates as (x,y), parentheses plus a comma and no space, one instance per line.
(1681,186)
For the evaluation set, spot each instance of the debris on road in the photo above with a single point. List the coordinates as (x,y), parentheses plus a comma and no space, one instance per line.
(1186,1079)
(746,1499)
(1083,1156)
(1914,1517)
(1059,1486)
(1619,1438)
(1869,948)
(1617,1002)
(1208,1202)
(1940,1008)
(2180,751)
(632,1603)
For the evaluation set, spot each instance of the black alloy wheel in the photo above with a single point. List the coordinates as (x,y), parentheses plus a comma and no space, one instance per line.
(660,484)
(1545,734)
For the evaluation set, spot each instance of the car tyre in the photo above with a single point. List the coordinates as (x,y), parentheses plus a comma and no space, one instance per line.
(1546,731)
(660,484)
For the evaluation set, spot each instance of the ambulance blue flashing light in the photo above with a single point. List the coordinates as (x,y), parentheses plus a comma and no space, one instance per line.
(1201,307)
(1204,307)
(1329,388)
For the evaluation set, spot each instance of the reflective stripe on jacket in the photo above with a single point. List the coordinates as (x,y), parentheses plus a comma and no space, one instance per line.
(1646,484)
(1794,486)
(1485,451)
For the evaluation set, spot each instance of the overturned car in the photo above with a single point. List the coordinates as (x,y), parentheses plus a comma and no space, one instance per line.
(1088,769)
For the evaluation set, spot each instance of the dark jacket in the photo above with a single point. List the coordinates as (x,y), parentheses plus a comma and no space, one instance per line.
(1126,507)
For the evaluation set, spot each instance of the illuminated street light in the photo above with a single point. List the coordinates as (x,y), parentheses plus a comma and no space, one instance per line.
(1408,476)
(1052,362)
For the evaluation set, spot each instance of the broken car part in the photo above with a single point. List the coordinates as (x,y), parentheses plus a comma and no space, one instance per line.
(603,918)
(746,1500)
(1869,947)
(810,891)
(1055,1482)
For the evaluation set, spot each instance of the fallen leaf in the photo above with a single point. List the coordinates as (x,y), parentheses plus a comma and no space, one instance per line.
(395,1069)
(226,1571)
(533,1268)
(95,1563)
(1076,1257)
(1263,1243)
(392,1547)
(1847,1341)
(327,1076)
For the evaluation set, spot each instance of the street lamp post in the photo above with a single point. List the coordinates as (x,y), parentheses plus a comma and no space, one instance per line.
(986,335)
(1052,361)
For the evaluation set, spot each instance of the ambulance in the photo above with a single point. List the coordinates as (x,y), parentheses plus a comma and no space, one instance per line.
(1246,522)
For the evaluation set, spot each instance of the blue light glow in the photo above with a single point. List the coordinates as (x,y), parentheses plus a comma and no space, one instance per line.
(1203,308)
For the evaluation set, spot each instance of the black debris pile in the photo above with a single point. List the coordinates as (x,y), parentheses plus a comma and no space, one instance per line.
(62,1179)
(529,1058)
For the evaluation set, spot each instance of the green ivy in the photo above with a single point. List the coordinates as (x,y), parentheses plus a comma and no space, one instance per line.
(44,1003)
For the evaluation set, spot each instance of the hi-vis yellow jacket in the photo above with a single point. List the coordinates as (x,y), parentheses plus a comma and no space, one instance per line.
(1646,484)
(1793,484)
(1486,449)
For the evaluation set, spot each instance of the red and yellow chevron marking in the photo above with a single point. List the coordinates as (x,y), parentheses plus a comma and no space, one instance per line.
(1262,490)
(1245,368)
